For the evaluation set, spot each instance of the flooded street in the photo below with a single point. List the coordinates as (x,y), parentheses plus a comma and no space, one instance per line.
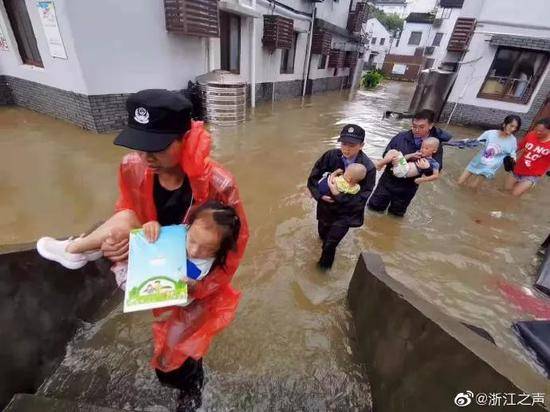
(290,344)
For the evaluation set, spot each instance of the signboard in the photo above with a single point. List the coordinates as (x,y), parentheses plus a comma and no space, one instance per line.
(399,69)
(3,41)
(51,29)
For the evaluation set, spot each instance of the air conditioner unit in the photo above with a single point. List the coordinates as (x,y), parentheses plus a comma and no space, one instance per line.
(428,51)
(437,22)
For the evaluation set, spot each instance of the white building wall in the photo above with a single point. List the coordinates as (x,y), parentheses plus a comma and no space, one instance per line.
(335,12)
(471,76)
(505,17)
(268,65)
(533,12)
(124,47)
(404,48)
(60,73)
(316,73)
(448,17)
(422,6)
(375,29)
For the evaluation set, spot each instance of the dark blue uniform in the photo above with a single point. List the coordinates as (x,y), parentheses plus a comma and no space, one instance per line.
(335,219)
(394,193)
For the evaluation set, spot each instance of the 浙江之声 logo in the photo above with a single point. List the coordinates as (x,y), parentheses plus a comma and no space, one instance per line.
(464,398)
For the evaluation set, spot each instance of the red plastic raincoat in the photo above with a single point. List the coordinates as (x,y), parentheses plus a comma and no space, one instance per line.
(215,300)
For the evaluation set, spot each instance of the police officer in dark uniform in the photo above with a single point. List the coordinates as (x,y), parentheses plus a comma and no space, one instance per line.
(336,214)
(393,193)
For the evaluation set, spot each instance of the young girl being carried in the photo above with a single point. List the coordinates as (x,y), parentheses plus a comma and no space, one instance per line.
(212,233)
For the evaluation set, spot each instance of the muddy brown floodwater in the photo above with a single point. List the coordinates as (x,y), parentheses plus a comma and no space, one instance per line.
(290,343)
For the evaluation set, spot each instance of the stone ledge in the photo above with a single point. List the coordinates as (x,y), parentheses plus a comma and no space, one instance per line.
(418,358)
(42,304)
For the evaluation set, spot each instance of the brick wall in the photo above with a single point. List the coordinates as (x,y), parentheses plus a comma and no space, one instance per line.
(102,113)
(490,118)
(521,42)
(5,92)
(73,107)
(414,65)
(326,83)
(293,88)
(109,111)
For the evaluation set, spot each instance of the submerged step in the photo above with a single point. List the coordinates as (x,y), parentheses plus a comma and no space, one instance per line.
(23,402)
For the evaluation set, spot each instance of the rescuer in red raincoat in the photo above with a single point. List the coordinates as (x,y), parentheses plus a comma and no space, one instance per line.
(169,174)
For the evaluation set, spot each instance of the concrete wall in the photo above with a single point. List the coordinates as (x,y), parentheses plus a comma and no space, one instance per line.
(41,306)
(419,359)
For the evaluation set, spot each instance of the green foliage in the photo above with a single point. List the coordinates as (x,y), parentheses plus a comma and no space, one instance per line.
(392,22)
(371,79)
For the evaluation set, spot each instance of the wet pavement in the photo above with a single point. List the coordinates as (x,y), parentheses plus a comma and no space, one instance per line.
(290,343)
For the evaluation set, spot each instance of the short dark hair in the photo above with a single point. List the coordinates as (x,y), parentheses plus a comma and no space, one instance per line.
(510,119)
(545,122)
(425,114)
(228,222)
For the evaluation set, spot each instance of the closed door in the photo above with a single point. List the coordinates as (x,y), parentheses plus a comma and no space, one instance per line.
(230,42)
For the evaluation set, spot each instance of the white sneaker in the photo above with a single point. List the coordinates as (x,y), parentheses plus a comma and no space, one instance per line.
(93,255)
(52,249)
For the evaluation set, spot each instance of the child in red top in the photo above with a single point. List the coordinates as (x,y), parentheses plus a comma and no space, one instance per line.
(533,159)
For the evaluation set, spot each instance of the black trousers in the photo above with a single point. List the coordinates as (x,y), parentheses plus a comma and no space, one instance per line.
(396,201)
(189,379)
(331,233)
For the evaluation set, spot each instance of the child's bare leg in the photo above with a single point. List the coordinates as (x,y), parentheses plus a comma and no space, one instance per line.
(121,223)
(476,181)
(388,158)
(521,188)
(509,182)
(464,177)
(413,170)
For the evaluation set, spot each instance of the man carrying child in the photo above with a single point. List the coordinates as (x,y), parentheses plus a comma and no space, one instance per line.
(396,193)
(349,175)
